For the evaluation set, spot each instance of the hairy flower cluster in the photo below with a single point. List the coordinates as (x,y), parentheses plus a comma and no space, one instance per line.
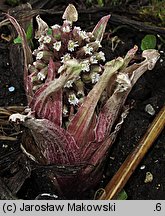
(62,44)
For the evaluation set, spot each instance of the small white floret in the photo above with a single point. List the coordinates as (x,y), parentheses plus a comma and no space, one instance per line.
(93,60)
(101,56)
(95,77)
(47,39)
(83,35)
(68,84)
(85,66)
(39,55)
(66,29)
(65,58)
(41,76)
(73,100)
(72,45)
(57,45)
(88,49)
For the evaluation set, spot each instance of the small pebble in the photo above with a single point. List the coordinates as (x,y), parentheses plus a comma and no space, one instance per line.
(161,60)
(148,178)
(149,109)
(11,88)
(4,146)
(142,167)
(158,186)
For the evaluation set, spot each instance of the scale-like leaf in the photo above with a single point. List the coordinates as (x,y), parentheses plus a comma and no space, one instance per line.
(99,29)
(56,144)
(80,124)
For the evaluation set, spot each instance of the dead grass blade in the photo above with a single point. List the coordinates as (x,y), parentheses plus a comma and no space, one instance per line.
(8,138)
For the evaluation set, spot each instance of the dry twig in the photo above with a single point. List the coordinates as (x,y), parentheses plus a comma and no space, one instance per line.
(132,161)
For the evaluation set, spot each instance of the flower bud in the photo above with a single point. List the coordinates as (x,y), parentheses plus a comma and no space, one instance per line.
(80,88)
(65,111)
(42,74)
(56,32)
(72,99)
(32,69)
(70,13)
(44,55)
(96,69)
(86,78)
(42,27)
(100,56)
(39,64)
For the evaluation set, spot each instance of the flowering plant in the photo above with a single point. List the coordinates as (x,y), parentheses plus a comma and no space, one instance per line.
(75,97)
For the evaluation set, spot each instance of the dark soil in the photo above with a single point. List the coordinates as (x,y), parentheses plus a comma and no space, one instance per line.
(150,89)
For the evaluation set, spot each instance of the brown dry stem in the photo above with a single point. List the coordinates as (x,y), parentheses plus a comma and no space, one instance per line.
(134,158)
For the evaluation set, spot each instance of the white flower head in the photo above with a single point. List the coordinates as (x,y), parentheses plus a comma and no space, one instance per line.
(85,65)
(95,77)
(88,49)
(93,60)
(65,58)
(47,39)
(101,56)
(66,29)
(39,55)
(41,76)
(72,44)
(55,26)
(73,100)
(68,84)
(57,45)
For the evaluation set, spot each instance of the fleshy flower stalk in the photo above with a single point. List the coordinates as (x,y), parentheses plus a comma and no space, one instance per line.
(75,97)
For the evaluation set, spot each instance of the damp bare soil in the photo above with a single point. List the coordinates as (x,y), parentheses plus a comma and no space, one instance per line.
(149,90)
